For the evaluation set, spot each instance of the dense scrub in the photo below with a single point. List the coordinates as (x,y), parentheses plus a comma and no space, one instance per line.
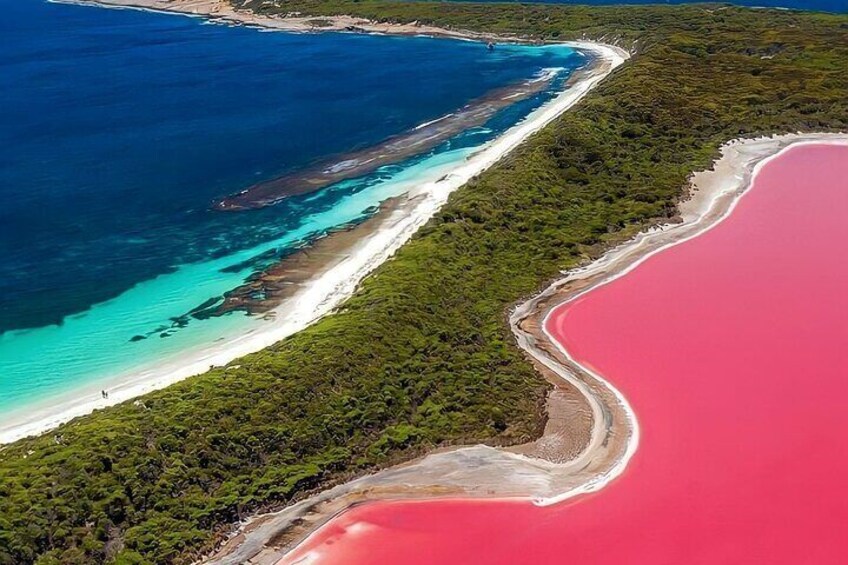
(422,355)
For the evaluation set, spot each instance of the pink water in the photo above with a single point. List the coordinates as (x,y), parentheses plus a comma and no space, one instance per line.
(733,350)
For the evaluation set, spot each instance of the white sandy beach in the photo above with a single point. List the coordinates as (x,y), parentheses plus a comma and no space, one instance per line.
(329,288)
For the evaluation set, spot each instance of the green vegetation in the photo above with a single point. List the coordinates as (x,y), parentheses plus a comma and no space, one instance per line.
(422,355)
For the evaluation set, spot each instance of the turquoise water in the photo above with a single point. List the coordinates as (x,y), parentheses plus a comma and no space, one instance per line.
(119,129)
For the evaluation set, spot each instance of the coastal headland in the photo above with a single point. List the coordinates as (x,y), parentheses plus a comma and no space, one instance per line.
(417,141)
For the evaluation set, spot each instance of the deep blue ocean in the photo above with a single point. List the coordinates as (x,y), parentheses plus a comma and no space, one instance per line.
(120,127)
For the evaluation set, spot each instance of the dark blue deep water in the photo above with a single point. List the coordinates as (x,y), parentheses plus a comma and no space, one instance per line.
(119,128)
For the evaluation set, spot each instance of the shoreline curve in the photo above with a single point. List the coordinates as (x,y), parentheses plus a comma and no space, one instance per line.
(712,196)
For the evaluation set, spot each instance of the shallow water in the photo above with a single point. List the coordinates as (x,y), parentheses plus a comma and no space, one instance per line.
(121,127)
(731,348)
(838,6)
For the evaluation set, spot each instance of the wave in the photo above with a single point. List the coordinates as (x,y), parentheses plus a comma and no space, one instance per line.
(431,122)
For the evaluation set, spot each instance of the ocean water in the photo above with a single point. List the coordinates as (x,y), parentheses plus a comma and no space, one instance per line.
(120,127)
(836,6)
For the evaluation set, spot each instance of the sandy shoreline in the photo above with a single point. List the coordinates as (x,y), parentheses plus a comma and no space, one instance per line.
(481,471)
(327,288)
(223,12)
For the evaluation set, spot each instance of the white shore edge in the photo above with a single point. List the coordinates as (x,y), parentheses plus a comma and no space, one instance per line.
(714,195)
(332,287)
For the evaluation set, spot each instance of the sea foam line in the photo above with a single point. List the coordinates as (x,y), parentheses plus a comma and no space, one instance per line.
(747,158)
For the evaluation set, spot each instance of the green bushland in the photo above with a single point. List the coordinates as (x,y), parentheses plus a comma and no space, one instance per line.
(422,355)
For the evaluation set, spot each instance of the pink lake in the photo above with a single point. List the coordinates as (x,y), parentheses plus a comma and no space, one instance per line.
(732,349)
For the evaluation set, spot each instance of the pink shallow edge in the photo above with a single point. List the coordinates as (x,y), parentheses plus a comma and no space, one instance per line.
(732,349)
